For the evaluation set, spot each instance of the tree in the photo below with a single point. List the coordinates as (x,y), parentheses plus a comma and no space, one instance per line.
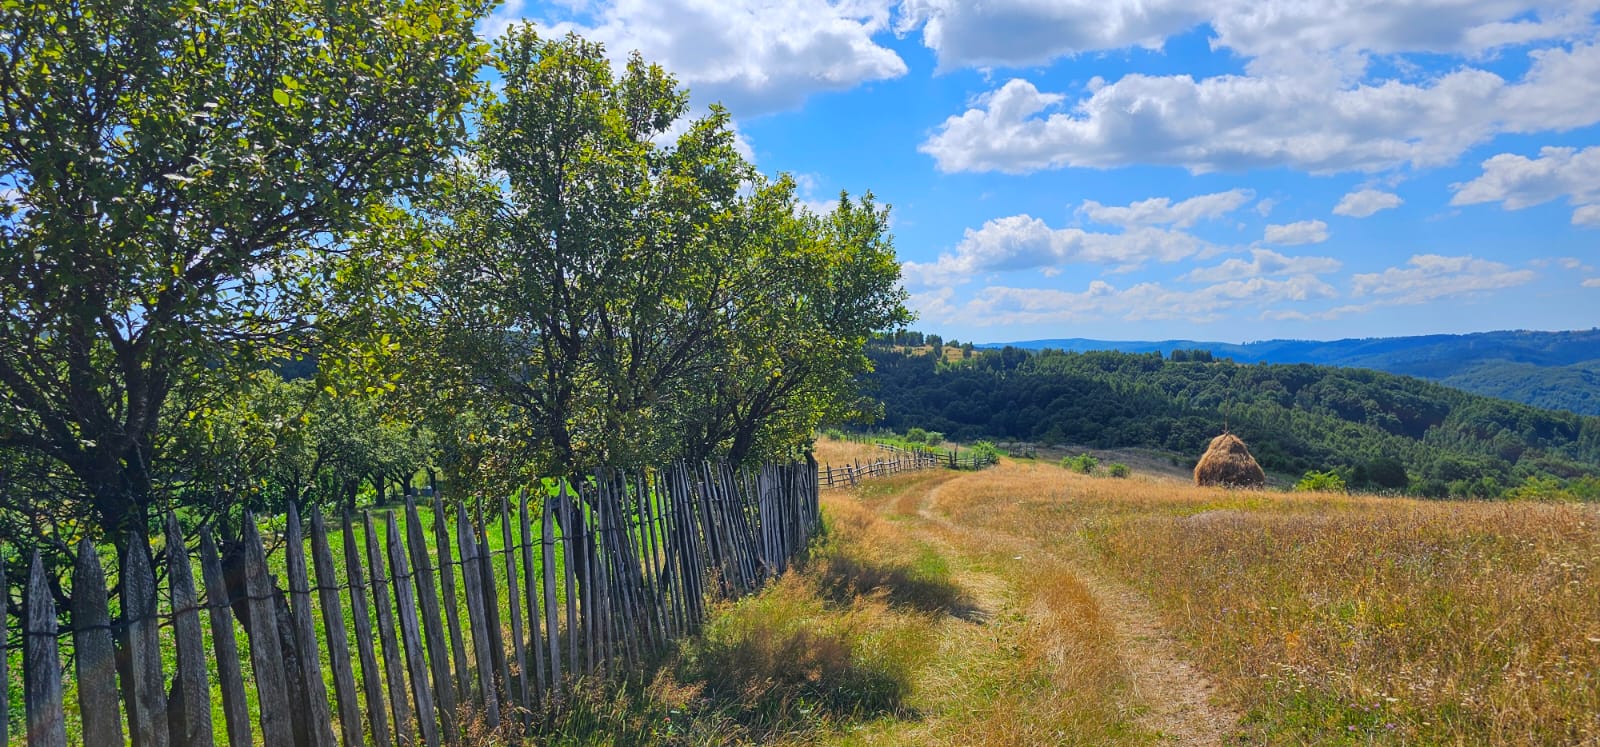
(172,167)
(634,298)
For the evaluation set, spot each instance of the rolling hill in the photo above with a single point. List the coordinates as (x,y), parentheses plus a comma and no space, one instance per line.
(1555,370)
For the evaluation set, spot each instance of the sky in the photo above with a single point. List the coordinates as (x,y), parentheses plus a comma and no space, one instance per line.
(1152,169)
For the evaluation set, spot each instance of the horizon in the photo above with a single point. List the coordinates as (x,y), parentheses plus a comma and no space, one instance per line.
(1165,170)
(1288,339)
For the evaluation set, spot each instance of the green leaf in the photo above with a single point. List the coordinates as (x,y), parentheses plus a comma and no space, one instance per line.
(281,96)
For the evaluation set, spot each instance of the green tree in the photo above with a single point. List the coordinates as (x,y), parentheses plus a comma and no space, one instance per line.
(175,166)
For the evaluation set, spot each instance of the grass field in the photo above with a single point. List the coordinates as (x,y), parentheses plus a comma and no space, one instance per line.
(1028,605)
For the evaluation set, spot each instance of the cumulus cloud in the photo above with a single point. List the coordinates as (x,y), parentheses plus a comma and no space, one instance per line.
(1000,305)
(754,56)
(1296,116)
(1023,242)
(1263,262)
(1161,211)
(1362,203)
(1428,277)
(1517,182)
(1592,283)
(1020,33)
(1301,232)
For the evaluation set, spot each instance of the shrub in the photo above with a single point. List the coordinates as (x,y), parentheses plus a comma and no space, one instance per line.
(1082,463)
(834,434)
(1325,482)
(935,438)
(1118,469)
(985,450)
(917,436)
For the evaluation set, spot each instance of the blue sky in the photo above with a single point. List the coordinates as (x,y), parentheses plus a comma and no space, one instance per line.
(1151,169)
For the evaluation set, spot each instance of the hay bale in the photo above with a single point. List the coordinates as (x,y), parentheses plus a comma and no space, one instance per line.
(1227,463)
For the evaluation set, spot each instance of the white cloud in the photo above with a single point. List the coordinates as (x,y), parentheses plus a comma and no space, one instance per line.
(1429,277)
(1160,211)
(1301,232)
(1363,203)
(1307,117)
(1517,182)
(1265,206)
(1023,242)
(999,305)
(1020,33)
(1592,283)
(755,56)
(1263,262)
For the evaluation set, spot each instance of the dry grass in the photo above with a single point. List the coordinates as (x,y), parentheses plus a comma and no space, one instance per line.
(840,453)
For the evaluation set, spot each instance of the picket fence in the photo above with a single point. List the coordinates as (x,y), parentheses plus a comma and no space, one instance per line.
(899,460)
(594,579)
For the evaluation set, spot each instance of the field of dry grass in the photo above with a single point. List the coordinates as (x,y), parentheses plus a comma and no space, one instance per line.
(1025,604)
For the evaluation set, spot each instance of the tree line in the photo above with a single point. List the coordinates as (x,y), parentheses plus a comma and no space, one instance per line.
(263,251)
(1378,431)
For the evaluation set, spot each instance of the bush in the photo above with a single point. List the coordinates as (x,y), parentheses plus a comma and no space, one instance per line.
(1118,469)
(984,450)
(1323,482)
(833,434)
(917,436)
(935,438)
(1082,463)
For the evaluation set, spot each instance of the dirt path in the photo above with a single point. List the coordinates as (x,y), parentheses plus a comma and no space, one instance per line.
(1176,699)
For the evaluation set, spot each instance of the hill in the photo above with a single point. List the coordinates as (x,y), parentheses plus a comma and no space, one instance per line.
(1296,417)
(1557,370)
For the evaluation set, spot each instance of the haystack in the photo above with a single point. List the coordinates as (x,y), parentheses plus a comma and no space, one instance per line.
(1227,463)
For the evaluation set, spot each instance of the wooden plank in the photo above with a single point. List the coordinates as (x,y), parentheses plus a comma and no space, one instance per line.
(193,725)
(564,505)
(393,669)
(266,655)
(316,714)
(405,603)
(548,543)
(94,651)
(148,712)
(41,663)
(444,689)
(371,682)
(532,594)
(452,604)
(344,681)
(489,589)
(5,678)
(472,582)
(518,688)
(225,650)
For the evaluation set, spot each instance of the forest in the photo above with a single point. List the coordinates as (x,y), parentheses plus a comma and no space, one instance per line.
(1378,430)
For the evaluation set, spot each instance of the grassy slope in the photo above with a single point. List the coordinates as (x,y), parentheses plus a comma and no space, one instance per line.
(1005,607)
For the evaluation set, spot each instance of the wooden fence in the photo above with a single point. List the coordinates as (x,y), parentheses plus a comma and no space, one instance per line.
(899,460)
(589,580)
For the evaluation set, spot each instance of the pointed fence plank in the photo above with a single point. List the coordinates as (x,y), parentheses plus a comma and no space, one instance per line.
(452,603)
(148,712)
(5,678)
(548,543)
(472,582)
(393,669)
(319,718)
(266,655)
(427,593)
(405,604)
(41,689)
(371,680)
(491,611)
(235,706)
(517,688)
(344,681)
(95,654)
(193,725)
(535,678)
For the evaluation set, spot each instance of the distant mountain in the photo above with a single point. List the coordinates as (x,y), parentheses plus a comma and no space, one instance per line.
(1557,370)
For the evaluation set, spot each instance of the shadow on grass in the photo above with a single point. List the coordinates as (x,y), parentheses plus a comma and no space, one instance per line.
(924,586)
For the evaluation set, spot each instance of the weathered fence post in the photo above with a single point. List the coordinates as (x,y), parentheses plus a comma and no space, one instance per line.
(452,606)
(433,630)
(193,725)
(41,673)
(266,656)
(344,683)
(472,577)
(147,715)
(235,708)
(393,668)
(319,719)
(371,680)
(405,605)
(96,655)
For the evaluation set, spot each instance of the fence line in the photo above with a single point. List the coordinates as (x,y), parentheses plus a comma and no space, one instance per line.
(902,460)
(632,558)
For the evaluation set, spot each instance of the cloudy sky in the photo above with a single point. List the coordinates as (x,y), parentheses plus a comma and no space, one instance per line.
(1143,169)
